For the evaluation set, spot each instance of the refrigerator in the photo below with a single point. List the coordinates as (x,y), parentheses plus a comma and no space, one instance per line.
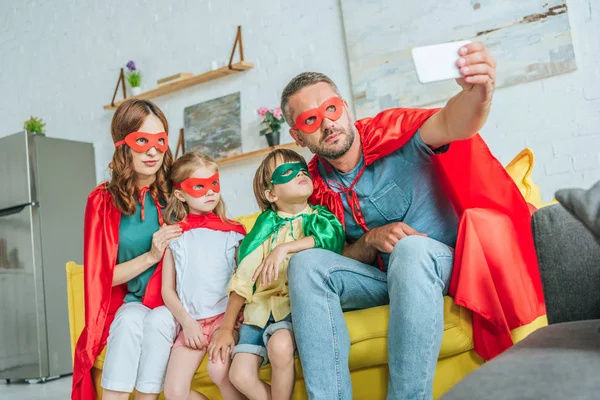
(44,184)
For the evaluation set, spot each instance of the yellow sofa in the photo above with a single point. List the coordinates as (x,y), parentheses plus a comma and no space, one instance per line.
(368,328)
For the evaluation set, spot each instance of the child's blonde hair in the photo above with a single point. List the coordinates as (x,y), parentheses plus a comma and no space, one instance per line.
(262,178)
(183,168)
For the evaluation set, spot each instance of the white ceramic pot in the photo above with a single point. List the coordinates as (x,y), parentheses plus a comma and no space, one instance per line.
(136,90)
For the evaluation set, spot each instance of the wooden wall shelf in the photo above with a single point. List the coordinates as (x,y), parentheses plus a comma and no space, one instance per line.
(186,83)
(256,153)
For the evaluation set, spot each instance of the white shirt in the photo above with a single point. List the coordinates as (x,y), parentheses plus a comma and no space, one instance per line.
(204,265)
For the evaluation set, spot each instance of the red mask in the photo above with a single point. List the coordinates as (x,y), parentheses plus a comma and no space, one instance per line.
(310,121)
(141,142)
(198,187)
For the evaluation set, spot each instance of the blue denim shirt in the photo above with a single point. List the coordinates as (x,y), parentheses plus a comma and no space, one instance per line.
(402,186)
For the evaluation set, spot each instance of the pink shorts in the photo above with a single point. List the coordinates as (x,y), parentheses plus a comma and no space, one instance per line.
(208,325)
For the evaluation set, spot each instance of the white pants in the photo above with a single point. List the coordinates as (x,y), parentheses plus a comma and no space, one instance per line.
(138,349)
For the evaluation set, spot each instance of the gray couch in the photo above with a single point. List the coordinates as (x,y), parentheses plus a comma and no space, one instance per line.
(562,360)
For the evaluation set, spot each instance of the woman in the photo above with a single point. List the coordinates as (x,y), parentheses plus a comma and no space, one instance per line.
(124,239)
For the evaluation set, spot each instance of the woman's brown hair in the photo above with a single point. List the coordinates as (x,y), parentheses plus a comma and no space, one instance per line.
(129,116)
(183,168)
(262,178)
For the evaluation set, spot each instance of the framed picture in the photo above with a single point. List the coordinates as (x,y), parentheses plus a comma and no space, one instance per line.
(214,127)
(530,40)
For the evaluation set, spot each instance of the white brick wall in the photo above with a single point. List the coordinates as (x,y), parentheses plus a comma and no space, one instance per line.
(60,60)
(559,117)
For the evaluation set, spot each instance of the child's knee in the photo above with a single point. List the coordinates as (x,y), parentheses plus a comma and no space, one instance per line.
(238,373)
(174,391)
(281,348)
(219,372)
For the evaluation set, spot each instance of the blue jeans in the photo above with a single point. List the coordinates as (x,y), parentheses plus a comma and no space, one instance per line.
(254,340)
(324,284)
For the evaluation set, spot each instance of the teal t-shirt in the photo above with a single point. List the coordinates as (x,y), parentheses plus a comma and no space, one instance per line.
(135,239)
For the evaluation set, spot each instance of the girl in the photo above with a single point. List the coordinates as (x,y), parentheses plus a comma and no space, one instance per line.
(196,270)
(123,242)
(287,225)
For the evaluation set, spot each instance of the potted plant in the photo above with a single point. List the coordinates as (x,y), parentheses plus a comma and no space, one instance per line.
(272,119)
(35,125)
(134,77)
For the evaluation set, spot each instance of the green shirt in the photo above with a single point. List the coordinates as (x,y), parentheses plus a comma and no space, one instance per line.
(135,239)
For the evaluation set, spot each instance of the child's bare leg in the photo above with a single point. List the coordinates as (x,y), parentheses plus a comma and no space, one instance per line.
(114,395)
(183,364)
(145,396)
(244,376)
(281,355)
(219,374)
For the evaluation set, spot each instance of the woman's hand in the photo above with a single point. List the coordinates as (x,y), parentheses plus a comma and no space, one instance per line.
(269,268)
(221,345)
(194,335)
(161,239)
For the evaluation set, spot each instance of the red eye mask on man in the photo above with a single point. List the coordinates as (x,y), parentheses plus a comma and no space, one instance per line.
(141,142)
(310,121)
(198,187)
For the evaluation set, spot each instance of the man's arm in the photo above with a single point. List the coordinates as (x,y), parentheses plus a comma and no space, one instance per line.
(466,112)
(360,251)
(381,239)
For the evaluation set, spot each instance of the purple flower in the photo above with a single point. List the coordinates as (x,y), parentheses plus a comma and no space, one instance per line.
(131,65)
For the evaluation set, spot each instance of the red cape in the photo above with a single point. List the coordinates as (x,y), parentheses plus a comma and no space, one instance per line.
(496,273)
(101,242)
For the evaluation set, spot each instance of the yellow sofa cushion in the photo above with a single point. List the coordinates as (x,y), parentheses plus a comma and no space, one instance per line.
(367,328)
(368,335)
(519,169)
(248,220)
(368,352)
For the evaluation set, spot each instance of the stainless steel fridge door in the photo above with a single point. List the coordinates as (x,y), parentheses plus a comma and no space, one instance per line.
(65,175)
(15,171)
(23,344)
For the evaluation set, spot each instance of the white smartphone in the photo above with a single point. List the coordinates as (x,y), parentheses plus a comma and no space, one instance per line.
(437,62)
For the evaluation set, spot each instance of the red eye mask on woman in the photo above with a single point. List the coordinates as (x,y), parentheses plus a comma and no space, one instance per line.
(198,187)
(310,121)
(141,142)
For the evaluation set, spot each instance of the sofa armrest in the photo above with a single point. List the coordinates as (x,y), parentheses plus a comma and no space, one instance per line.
(569,260)
(75,297)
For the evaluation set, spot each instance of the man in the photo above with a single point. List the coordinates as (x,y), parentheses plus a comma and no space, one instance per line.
(378,176)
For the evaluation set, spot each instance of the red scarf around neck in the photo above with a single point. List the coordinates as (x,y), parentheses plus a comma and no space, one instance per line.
(211,221)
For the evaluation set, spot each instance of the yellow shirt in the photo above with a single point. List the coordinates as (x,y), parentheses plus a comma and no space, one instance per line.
(273,299)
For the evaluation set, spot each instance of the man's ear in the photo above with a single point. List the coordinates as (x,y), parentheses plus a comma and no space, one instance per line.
(271,197)
(177,193)
(296,136)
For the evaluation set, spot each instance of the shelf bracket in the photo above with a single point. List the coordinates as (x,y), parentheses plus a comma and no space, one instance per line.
(238,38)
(122,82)
(180,145)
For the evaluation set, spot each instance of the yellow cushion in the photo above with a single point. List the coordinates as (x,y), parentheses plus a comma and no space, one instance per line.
(75,302)
(248,220)
(519,169)
(368,328)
